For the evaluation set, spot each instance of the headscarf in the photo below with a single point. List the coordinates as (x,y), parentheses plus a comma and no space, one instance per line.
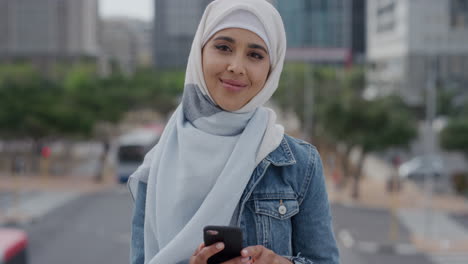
(198,171)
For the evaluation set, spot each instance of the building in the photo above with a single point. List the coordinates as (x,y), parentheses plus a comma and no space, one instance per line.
(175,24)
(48,31)
(324,31)
(412,41)
(126,43)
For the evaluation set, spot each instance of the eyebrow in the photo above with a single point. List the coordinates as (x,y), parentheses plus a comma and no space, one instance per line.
(250,45)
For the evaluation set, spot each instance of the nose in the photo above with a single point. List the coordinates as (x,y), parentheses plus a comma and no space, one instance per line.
(236,66)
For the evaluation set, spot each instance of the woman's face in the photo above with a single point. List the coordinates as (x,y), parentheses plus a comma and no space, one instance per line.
(236,64)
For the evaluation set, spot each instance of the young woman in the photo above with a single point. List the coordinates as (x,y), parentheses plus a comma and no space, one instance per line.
(223,160)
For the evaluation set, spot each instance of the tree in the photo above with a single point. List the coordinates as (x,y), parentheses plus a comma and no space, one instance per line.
(385,123)
(454,136)
(30,104)
(76,99)
(370,125)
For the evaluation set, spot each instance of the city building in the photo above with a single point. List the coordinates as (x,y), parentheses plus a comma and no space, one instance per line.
(175,24)
(126,43)
(324,31)
(49,31)
(413,42)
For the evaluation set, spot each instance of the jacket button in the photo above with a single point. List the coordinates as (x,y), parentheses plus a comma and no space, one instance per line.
(282,209)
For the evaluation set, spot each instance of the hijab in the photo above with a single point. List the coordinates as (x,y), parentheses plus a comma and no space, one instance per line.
(198,171)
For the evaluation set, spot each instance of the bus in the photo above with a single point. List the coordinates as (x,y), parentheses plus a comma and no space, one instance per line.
(132,148)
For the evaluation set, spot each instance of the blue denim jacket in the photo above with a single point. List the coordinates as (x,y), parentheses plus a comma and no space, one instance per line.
(284,207)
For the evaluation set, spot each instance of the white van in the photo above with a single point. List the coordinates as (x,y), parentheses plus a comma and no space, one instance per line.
(132,148)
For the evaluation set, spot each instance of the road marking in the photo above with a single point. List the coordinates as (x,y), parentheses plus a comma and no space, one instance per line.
(374,248)
(368,247)
(449,258)
(38,205)
(346,238)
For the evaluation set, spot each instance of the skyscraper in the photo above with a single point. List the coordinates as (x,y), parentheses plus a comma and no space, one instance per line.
(126,43)
(48,30)
(175,24)
(325,31)
(411,42)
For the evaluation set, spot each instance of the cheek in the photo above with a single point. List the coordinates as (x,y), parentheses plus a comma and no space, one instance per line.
(211,66)
(261,75)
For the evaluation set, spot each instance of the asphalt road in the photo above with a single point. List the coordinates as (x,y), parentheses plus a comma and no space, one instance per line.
(369,243)
(91,229)
(95,228)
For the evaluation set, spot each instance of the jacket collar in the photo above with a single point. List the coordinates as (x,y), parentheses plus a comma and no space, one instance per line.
(282,155)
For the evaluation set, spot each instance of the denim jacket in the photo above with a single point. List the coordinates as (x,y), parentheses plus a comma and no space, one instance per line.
(284,207)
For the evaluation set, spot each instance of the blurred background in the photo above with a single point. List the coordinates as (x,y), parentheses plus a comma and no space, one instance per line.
(379,86)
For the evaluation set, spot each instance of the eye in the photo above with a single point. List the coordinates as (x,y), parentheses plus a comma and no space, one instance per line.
(256,55)
(222,47)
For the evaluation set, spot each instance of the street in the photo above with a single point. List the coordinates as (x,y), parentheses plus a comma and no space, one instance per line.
(369,229)
(95,228)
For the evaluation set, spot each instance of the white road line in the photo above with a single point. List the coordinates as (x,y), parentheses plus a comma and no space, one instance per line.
(346,238)
(449,258)
(42,203)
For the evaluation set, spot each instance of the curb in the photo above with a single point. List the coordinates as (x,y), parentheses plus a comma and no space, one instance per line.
(402,249)
(36,207)
(13,245)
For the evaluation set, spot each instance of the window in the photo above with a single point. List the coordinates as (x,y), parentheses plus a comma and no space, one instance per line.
(459,13)
(386,15)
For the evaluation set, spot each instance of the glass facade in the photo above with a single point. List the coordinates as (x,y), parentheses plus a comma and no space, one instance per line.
(319,23)
(175,24)
(459,13)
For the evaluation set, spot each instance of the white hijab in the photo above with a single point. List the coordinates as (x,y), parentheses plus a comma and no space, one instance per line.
(198,171)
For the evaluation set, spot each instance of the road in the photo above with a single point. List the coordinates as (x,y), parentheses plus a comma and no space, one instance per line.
(95,228)
(363,238)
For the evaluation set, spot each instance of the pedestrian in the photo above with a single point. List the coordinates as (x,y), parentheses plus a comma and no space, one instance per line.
(223,160)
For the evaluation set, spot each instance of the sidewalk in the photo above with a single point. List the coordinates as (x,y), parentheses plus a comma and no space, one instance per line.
(24,199)
(431,229)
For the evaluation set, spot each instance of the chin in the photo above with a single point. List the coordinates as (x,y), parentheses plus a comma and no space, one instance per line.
(230,108)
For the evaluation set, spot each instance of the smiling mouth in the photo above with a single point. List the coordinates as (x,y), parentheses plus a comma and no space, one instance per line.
(232,85)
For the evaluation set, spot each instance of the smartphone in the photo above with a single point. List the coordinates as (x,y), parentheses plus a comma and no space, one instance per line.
(231,237)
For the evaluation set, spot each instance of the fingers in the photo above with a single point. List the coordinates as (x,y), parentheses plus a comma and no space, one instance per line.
(206,252)
(202,245)
(260,255)
(253,251)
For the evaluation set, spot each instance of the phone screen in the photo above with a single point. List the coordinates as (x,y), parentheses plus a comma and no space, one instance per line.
(231,237)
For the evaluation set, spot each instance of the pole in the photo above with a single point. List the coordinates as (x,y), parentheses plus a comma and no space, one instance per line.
(308,103)
(430,115)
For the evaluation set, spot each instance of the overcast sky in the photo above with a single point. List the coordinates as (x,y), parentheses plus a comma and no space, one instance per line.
(142,9)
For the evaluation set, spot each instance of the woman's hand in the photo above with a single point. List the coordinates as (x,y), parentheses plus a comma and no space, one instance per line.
(260,255)
(202,254)
(249,255)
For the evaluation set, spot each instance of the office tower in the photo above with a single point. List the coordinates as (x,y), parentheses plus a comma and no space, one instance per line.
(175,24)
(49,31)
(324,31)
(413,42)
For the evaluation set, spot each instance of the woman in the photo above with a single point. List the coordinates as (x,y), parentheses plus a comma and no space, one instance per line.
(222,160)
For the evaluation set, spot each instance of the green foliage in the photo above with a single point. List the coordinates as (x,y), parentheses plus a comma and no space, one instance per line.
(27,103)
(340,112)
(157,90)
(37,107)
(460,182)
(455,135)
(290,94)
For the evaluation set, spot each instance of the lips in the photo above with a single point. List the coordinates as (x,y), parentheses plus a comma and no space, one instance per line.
(233,85)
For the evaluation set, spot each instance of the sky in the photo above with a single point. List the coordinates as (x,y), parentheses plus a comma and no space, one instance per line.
(142,9)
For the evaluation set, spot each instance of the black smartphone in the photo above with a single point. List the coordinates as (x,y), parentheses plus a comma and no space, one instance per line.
(231,237)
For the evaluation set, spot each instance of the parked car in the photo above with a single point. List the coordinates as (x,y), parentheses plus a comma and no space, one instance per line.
(13,245)
(421,166)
